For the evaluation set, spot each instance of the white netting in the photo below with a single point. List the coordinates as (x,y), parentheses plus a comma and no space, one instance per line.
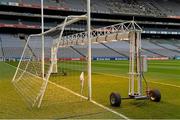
(29,75)
(32,76)
(71,66)
(63,92)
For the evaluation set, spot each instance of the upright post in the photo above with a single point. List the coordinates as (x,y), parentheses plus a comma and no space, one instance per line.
(54,59)
(132,61)
(42,36)
(89,49)
(139,62)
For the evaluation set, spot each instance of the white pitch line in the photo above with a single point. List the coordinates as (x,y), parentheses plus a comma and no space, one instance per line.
(108,109)
(100,105)
(147,81)
(167,84)
(110,75)
(92,101)
(64,88)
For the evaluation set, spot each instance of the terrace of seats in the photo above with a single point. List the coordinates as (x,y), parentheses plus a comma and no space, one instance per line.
(1,51)
(13,47)
(154,47)
(139,7)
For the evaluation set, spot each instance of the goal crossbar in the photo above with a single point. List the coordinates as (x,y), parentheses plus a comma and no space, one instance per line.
(71,21)
(44,77)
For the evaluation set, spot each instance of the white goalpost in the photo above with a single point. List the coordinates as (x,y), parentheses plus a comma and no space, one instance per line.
(63,50)
(38,61)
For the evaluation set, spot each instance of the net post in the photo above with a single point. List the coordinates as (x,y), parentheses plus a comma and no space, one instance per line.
(42,36)
(20,59)
(89,49)
(54,59)
(44,86)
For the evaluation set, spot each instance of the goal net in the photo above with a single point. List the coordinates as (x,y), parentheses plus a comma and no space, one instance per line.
(31,72)
(52,71)
(39,60)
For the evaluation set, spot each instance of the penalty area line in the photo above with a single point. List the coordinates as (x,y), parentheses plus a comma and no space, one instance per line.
(92,101)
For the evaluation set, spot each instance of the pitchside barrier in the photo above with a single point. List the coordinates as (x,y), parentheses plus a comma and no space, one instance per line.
(110,58)
(177,57)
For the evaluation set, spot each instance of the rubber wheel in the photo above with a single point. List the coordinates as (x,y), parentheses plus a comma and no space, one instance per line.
(155,95)
(115,99)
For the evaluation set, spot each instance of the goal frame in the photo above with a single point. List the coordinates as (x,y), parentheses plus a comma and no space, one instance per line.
(45,77)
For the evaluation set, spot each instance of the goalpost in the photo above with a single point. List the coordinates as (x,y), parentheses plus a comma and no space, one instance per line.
(127,31)
(40,57)
(38,61)
(31,80)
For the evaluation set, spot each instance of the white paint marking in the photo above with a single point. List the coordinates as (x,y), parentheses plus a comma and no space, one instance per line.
(108,109)
(166,84)
(121,76)
(92,101)
(64,88)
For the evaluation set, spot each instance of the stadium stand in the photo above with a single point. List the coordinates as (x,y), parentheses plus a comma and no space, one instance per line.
(10,43)
(165,45)
(141,7)
(120,46)
(174,42)
(170,6)
(62,53)
(12,46)
(100,7)
(147,44)
(1,50)
(99,50)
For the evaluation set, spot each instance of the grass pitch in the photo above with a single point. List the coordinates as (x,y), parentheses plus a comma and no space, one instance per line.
(108,76)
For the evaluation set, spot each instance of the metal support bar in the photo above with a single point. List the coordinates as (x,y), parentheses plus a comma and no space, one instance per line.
(45,83)
(108,34)
(139,63)
(135,66)
(42,37)
(89,49)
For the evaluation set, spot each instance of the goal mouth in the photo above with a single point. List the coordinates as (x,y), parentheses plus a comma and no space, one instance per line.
(39,60)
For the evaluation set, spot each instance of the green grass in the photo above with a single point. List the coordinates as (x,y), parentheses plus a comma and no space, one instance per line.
(59,103)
